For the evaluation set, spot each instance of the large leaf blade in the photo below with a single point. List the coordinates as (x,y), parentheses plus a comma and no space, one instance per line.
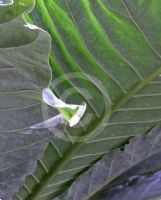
(132,82)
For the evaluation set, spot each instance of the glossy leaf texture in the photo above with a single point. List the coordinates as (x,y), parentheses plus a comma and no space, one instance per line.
(13,8)
(108,54)
(121,174)
(24,73)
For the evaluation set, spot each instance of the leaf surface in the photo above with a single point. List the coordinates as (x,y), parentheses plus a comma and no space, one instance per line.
(24,73)
(19,152)
(107,54)
(146,187)
(122,172)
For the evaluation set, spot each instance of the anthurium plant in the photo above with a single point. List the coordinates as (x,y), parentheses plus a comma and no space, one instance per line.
(80,99)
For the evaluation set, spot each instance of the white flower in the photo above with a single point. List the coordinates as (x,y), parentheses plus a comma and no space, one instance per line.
(71,113)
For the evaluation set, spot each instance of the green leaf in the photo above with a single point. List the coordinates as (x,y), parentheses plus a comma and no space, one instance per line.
(135,162)
(24,72)
(19,152)
(13,8)
(24,75)
(108,55)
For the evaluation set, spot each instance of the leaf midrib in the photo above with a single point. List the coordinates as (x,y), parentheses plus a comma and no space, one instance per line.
(76,146)
(136,89)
